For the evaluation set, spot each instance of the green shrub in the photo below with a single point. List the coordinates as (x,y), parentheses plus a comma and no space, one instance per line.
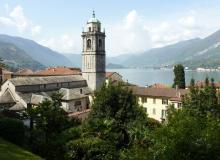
(12,130)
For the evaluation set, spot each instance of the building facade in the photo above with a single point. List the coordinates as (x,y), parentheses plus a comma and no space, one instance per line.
(93,53)
(17,93)
(156,101)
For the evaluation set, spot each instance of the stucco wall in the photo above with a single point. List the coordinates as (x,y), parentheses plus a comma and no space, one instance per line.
(154,110)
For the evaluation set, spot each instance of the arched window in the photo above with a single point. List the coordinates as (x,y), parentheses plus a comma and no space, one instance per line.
(89,44)
(100,43)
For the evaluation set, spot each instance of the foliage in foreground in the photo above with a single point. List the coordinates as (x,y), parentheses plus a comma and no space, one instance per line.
(10,151)
(192,132)
(12,130)
(116,123)
(47,138)
(118,128)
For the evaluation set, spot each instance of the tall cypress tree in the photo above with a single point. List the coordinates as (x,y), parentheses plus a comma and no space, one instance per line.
(179,76)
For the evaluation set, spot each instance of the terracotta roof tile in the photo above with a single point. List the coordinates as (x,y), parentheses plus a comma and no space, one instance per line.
(158,92)
(109,74)
(59,71)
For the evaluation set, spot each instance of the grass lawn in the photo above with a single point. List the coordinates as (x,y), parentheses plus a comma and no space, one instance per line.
(9,151)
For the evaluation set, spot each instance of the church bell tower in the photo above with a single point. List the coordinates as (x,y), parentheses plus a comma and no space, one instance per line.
(93,53)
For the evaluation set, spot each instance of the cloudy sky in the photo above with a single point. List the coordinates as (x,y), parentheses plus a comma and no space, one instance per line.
(132,26)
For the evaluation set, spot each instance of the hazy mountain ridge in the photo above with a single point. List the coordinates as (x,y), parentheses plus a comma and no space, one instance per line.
(39,53)
(15,57)
(20,52)
(114,62)
(192,53)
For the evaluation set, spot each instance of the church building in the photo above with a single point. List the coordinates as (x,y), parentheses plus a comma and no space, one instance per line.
(19,92)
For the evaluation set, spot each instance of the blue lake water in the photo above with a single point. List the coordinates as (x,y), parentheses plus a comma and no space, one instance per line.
(145,77)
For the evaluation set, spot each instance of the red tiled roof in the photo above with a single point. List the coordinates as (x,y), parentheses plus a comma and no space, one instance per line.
(109,74)
(158,92)
(58,71)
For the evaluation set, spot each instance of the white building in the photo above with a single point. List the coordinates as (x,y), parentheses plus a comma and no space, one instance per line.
(156,100)
(17,93)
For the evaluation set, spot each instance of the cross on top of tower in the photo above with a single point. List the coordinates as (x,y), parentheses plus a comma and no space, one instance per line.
(93,14)
(93,19)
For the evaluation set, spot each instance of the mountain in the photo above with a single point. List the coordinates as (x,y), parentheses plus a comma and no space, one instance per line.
(76,59)
(111,62)
(37,52)
(192,53)
(15,57)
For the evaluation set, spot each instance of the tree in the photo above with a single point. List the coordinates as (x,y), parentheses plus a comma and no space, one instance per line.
(12,130)
(193,131)
(116,120)
(203,101)
(186,136)
(51,122)
(2,64)
(179,76)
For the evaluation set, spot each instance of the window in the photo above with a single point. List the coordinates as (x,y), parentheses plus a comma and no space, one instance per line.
(79,108)
(144,99)
(154,101)
(163,114)
(89,29)
(45,86)
(154,111)
(164,101)
(100,43)
(89,44)
(87,106)
(77,103)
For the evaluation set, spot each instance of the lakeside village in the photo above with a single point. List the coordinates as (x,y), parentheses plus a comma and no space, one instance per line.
(26,88)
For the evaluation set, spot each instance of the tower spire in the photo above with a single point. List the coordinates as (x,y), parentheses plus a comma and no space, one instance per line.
(93,14)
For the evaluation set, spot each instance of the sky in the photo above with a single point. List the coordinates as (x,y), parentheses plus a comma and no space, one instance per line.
(131,26)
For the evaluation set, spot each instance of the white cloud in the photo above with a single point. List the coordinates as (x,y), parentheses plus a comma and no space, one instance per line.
(17,19)
(20,20)
(36,30)
(188,21)
(6,22)
(128,36)
(64,43)
(134,34)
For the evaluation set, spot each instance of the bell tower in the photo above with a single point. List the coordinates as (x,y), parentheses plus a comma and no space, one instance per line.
(93,53)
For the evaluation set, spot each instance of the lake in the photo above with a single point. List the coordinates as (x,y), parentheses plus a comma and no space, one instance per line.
(145,77)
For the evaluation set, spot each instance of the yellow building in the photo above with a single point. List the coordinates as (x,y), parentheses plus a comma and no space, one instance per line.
(156,100)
